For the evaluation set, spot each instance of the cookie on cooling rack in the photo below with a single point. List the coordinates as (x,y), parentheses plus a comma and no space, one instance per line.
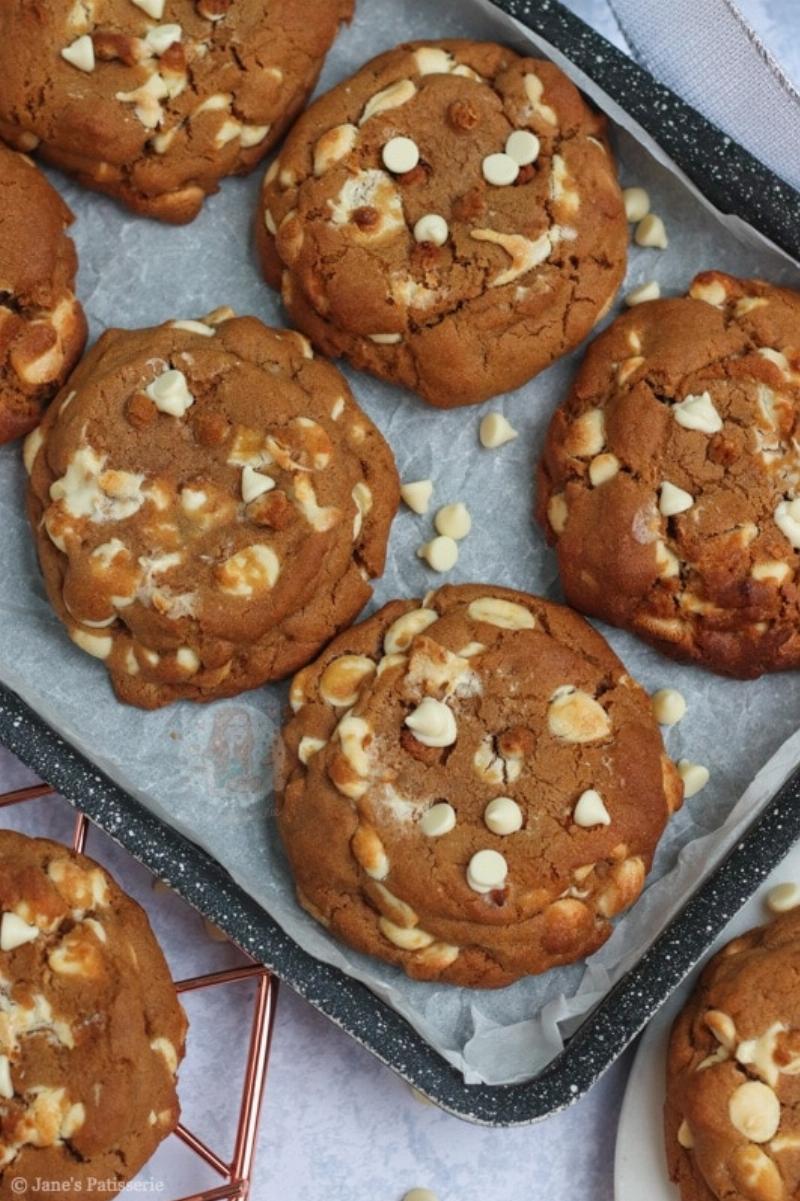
(449,219)
(669,480)
(154,101)
(91,1031)
(732,1116)
(209,504)
(473,786)
(42,326)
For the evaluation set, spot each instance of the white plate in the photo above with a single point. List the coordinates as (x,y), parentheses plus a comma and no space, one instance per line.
(640,1166)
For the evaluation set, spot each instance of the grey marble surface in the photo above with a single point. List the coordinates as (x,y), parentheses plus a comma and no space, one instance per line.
(336,1125)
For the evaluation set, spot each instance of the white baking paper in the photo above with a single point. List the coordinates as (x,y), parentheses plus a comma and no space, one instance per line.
(207,769)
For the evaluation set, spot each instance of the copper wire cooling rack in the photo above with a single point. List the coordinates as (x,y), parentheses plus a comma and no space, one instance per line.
(235,1174)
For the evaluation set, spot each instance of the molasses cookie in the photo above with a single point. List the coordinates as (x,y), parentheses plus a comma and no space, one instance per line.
(473,786)
(669,481)
(448,219)
(154,101)
(209,504)
(91,1031)
(42,327)
(732,1115)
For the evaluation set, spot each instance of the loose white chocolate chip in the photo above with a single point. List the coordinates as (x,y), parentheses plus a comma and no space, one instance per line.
(420,1194)
(80,54)
(649,291)
(673,500)
(170,393)
(694,776)
(500,170)
(438,820)
(441,553)
(14,932)
(153,8)
(431,228)
(698,413)
(787,519)
(255,484)
(523,147)
(487,870)
(603,468)
(651,232)
(507,615)
(637,204)
(400,154)
(453,521)
(503,816)
(669,706)
(495,430)
(432,723)
(402,632)
(783,897)
(591,810)
(417,495)
(755,1111)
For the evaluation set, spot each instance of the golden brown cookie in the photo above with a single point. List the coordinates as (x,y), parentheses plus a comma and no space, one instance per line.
(732,1115)
(154,101)
(42,326)
(473,786)
(209,505)
(669,480)
(91,1031)
(448,219)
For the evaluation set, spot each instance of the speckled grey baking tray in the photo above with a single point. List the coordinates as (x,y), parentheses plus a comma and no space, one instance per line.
(734,182)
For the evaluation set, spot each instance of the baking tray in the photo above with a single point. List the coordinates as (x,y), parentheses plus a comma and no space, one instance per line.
(735,182)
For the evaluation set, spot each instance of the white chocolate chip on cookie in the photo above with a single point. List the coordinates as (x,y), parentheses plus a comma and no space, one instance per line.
(402,632)
(487,870)
(496,430)
(673,500)
(170,393)
(755,1111)
(432,723)
(591,810)
(603,468)
(503,816)
(80,54)
(14,932)
(523,147)
(255,484)
(698,413)
(431,228)
(343,678)
(500,170)
(438,820)
(575,716)
(787,519)
(400,154)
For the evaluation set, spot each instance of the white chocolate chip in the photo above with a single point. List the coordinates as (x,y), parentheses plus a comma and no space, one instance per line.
(80,54)
(394,96)
(255,484)
(31,447)
(651,232)
(153,8)
(333,146)
(649,291)
(557,512)
(575,716)
(534,90)
(591,810)
(98,645)
(432,228)
(417,495)
(251,135)
(669,706)
(685,1135)
(161,37)
(402,632)
(170,393)
(420,1194)
(776,570)
(487,870)
(503,816)
(694,776)
(637,204)
(400,154)
(342,680)
(783,897)
(441,553)
(308,747)
(755,1111)
(432,723)
(603,468)
(507,615)
(253,569)
(6,1086)
(408,939)
(187,659)
(14,932)
(787,519)
(698,413)
(495,430)
(453,521)
(673,500)
(438,820)
(523,147)
(500,170)
(195,327)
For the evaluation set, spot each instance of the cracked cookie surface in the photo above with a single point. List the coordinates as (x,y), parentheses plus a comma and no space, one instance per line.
(91,1031)
(472,786)
(209,504)
(154,101)
(42,326)
(732,1114)
(669,480)
(449,219)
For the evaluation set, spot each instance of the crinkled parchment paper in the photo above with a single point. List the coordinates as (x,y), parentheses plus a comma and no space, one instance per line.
(206,769)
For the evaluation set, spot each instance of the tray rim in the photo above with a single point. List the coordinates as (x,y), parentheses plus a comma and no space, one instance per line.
(739,184)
